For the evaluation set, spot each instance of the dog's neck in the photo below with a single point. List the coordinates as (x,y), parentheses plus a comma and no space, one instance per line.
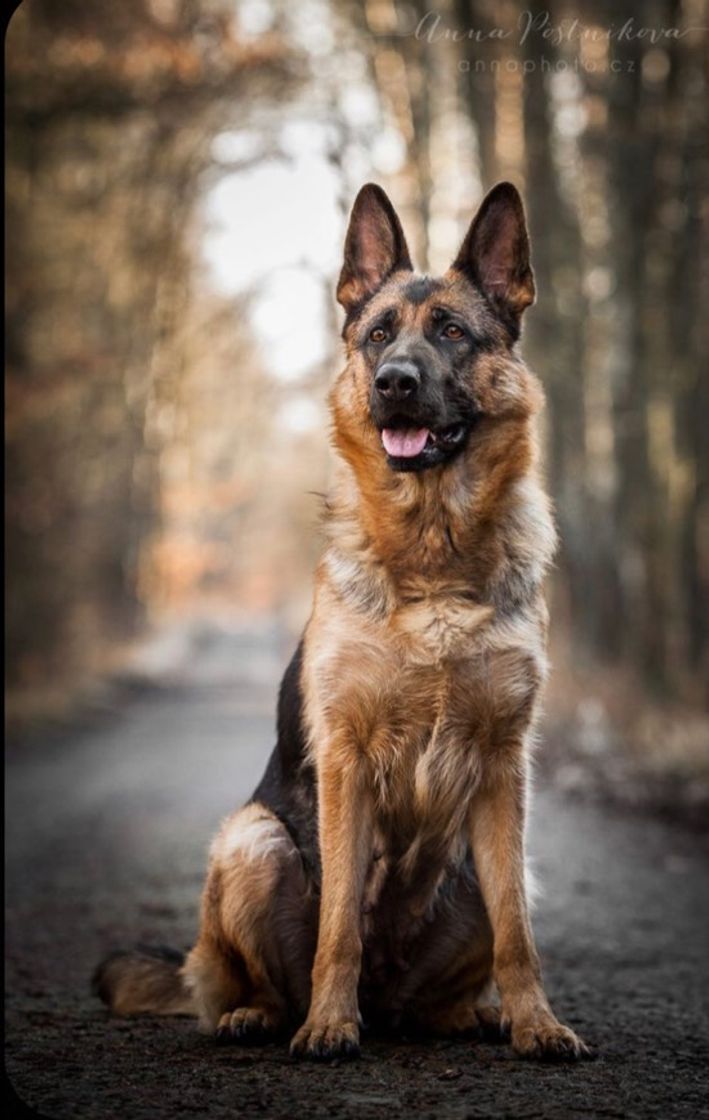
(461,529)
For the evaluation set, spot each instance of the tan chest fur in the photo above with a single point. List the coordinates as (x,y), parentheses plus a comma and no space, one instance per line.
(415,694)
(438,629)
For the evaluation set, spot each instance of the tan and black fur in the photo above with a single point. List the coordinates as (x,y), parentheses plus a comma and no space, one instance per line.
(379,868)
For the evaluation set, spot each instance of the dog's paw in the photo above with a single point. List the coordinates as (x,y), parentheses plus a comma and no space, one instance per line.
(247,1025)
(545,1039)
(321,1042)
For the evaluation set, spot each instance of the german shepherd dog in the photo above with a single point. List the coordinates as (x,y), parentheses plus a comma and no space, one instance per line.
(380,863)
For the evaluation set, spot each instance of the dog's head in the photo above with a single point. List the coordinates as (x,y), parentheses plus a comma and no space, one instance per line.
(428,359)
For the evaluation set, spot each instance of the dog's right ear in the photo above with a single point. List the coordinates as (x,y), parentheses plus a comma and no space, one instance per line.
(375,247)
(495,254)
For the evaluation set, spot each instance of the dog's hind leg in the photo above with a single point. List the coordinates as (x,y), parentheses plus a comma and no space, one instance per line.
(250,968)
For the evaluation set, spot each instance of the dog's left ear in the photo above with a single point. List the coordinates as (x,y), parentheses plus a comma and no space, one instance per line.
(495,253)
(375,247)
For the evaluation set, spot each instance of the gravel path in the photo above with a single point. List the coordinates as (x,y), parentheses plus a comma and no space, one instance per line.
(107,829)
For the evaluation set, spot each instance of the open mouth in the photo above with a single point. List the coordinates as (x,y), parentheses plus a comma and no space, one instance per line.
(416,448)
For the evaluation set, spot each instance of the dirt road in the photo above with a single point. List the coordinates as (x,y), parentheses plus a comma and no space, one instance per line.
(107,829)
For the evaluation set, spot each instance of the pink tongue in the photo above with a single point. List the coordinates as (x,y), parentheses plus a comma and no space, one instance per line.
(404,444)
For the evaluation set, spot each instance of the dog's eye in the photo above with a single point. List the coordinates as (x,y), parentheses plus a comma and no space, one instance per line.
(378,334)
(453,331)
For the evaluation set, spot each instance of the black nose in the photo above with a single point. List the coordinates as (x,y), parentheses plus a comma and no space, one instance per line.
(397,381)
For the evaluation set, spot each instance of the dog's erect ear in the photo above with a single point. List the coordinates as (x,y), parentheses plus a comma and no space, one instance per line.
(375,247)
(495,253)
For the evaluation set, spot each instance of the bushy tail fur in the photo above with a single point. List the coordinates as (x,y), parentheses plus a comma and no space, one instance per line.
(146,979)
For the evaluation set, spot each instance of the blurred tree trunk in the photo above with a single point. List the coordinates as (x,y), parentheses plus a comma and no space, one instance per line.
(687,298)
(632,142)
(554,344)
(478,83)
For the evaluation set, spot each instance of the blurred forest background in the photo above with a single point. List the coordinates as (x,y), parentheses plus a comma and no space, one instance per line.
(179,174)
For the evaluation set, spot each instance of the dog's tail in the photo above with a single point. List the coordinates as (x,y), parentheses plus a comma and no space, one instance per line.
(146,979)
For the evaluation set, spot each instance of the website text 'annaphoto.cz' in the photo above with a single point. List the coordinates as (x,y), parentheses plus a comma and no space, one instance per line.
(545,65)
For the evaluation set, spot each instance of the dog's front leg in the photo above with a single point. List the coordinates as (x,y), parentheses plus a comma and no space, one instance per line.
(345,826)
(497,837)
